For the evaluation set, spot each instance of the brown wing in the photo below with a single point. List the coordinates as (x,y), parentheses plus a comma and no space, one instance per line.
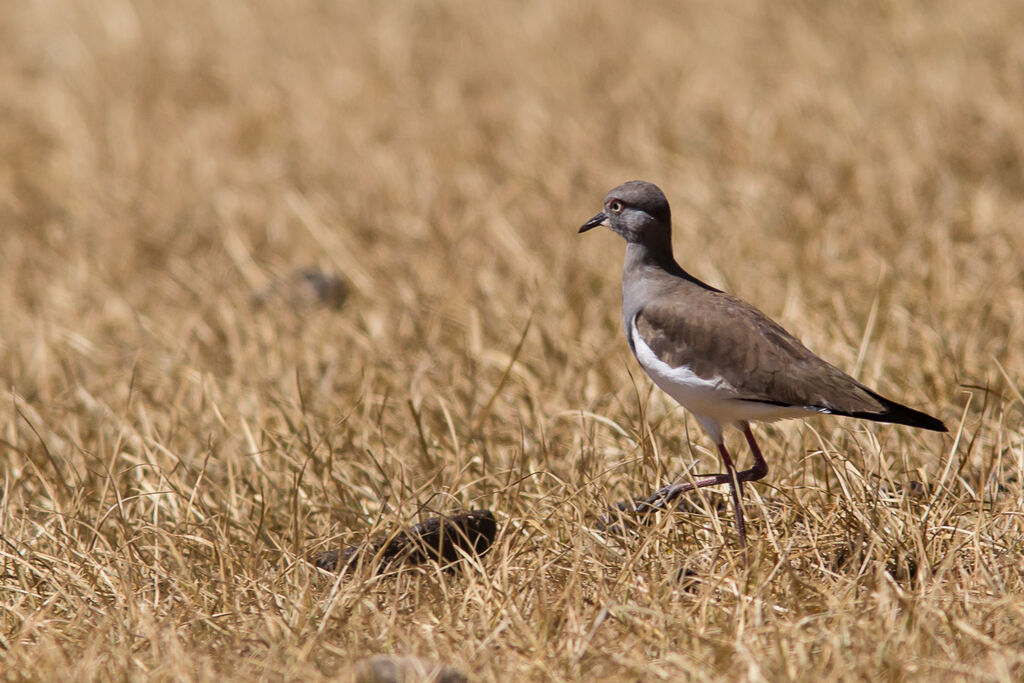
(718,335)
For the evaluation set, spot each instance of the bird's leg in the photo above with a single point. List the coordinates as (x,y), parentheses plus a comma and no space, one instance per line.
(664,497)
(661,499)
(760,468)
(757,471)
(736,488)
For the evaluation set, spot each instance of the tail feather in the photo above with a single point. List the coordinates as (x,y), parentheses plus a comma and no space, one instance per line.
(897,413)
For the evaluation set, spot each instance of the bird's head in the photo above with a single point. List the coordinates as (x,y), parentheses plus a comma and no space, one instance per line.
(637,210)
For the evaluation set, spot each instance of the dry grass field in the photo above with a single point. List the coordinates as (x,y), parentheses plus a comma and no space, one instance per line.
(173,454)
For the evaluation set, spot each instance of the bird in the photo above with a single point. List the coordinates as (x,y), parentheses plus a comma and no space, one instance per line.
(718,356)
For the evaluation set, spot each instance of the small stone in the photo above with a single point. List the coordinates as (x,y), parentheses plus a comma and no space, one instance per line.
(304,288)
(384,669)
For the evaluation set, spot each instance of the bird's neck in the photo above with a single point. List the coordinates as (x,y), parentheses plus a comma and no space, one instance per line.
(648,263)
(654,254)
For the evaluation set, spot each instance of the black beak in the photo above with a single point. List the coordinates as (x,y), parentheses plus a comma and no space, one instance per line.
(599,219)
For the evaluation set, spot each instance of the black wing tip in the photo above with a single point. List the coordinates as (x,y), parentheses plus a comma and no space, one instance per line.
(893,413)
(907,417)
(925,421)
(901,414)
(897,413)
(937,425)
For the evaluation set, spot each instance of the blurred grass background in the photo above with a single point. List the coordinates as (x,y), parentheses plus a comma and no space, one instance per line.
(173,454)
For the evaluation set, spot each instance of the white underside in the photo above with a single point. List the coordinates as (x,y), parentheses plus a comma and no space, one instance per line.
(714,402)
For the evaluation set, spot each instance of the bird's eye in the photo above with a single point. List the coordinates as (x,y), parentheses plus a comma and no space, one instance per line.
(615,206)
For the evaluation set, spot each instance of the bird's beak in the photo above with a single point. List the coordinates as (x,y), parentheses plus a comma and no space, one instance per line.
(599,219)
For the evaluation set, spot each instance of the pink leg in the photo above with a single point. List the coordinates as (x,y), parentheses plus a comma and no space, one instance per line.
(736,489)
(760,468)
(664,497)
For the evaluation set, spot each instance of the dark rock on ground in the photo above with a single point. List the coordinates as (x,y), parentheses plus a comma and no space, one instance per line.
(438,539)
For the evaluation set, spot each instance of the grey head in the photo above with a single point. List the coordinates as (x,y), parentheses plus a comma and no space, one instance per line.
(638,211)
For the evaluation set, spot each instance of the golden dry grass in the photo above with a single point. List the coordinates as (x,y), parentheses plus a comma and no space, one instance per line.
(173,455)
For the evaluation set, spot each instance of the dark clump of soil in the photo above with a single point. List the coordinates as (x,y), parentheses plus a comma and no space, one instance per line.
(444,540)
